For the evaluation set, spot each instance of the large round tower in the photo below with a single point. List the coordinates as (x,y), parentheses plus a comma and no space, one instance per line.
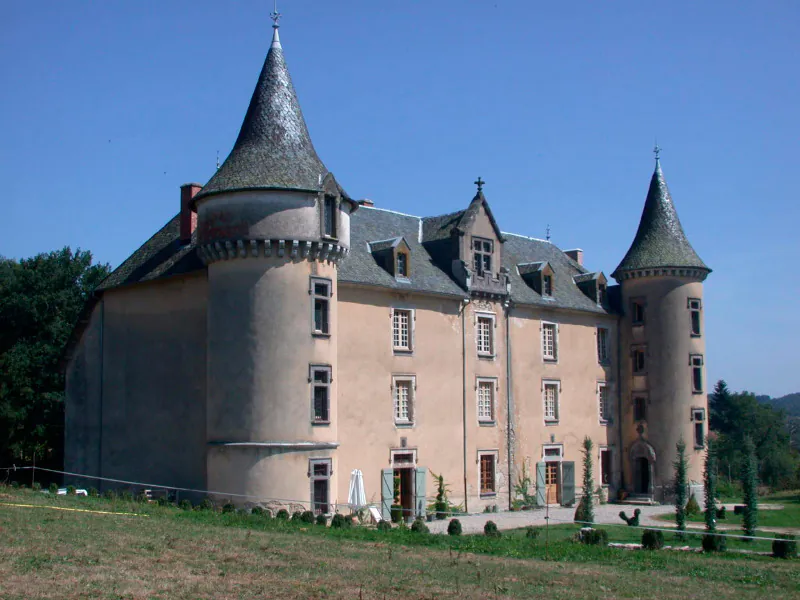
(272,225)
(662,369)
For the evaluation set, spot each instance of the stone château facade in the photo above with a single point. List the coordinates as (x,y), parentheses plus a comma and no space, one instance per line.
(277,334)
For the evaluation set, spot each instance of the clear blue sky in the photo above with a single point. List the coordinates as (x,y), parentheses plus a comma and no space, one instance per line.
(107,107)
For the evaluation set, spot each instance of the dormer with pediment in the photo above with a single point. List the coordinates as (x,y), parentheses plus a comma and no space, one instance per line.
(539,276)
(594,286)
(394,256)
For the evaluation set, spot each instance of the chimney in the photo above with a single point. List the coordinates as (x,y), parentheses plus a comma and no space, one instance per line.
(188,216)
(576,255)
(366,202)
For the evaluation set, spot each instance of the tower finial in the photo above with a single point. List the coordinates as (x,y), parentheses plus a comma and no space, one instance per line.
(657,150)
(275,15)
(217,160)
(547,232)
(479,183)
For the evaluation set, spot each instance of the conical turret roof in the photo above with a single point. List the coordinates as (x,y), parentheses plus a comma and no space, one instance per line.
(273,150)
(660,241)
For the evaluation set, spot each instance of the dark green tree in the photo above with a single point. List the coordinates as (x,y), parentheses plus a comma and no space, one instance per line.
(749,488)
(710,488)
(681,466)
(585,510)
(40,301)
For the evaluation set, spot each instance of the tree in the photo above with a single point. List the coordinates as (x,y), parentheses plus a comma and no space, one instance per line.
(40,301)
(710,488)
(749,488)
(585,510)
(681,466)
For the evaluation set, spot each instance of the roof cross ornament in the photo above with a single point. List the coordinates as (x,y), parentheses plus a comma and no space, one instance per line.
(657,151)
(479,183)
(275,15)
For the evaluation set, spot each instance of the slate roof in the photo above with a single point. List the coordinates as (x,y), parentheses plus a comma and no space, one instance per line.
(274,149)
(441,227)
(660,240)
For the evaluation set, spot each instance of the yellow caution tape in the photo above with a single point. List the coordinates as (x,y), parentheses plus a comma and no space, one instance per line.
(84,510)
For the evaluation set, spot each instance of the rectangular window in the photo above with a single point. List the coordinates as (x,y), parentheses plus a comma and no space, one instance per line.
(487,461)
(549,341)
(602,345)
(401,329)
(602,294)
(639,358)
(639,408)
(402,264)
(482,255)
(329,216)
(403,400)
(486,405)
(602,402)
(696,362)
(699,417)
(321,294)
(550,390)
(637,312)
(605,466)
(319,471)
(485,335)
(694,310)
(547,285)
(321,394)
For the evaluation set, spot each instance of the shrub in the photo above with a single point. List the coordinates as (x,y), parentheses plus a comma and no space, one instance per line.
(322,520)
(297,516)
(588,483)
(652,539)
(206,504)
(384,526)
(721,512)
(440,506)
(257,511)
(53,488)
(490,529)
(307,517)
(532,532)
(692,507)
(70,490)
(162,501)
(185,504)
(631,521)
(418,526)
(785,547)
(15,485)
(110,495)
(93,493)
(714,543)
(228,508)
(338,522)
(283,515)
(349,521)
(594,537)
(739,509)
(36,487)
(454,527)
(580,513)
(397,513)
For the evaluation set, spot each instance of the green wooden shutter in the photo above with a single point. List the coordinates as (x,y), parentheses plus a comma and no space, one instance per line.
(387,493)
(540,497)
(420,505)
(567,483)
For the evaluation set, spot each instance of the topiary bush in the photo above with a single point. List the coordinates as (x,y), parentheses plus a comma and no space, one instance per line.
(785,547)
(349,520)
(93,493)
(594,537)
(692,507)
(36,487)
(257,511)
(110,495)
(206,504)
(283,515)
(490,529)
(652,539)
(384,526)
(396,513)
(53,488)
(228,508)
(721,512)
(70,490)
(185,504)
(418,526)
(307,517)
(126,496)
(297,516)
(454,527)
(338,522)
(631,521)
(714,543)
(532,532)
(322,520)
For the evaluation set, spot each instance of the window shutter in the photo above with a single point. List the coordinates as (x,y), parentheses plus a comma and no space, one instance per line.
(540,497)
(567,483)
(387,493)
(421,477)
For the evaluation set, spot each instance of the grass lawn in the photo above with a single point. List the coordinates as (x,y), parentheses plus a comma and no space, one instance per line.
(163,552)
(789,516)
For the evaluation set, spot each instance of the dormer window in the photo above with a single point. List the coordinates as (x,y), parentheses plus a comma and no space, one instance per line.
(547,285)
(329,216)
(402,265)
(482,255)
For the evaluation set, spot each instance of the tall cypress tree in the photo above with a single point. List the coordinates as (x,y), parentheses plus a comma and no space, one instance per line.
(710,485)
(749,487)
(588,483)
(681,466)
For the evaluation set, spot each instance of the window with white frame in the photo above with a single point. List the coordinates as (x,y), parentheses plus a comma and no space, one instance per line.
(550,393)
(698,418)
(402,329)
(694,310)
(403,393)
(320,296)
(547,285)
(319,472)
(602,345)
(320,378)
(484,331)
(486,403)
(696,362)
(550,341)
(602,402)
(488,472)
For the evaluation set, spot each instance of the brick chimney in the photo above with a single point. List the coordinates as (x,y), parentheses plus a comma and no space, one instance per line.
(576,255)
(188,216)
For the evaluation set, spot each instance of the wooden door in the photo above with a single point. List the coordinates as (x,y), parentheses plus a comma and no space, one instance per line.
(551,482)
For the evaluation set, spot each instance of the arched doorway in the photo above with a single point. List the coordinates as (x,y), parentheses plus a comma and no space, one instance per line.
(643,460)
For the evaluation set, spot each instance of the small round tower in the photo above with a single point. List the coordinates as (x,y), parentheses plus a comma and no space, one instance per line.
(272,226)
(662,369)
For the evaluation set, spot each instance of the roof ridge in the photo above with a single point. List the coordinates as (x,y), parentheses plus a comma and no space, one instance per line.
(394,212)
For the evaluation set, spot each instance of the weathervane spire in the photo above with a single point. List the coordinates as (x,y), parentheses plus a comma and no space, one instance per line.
(275,15)
(657,151)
